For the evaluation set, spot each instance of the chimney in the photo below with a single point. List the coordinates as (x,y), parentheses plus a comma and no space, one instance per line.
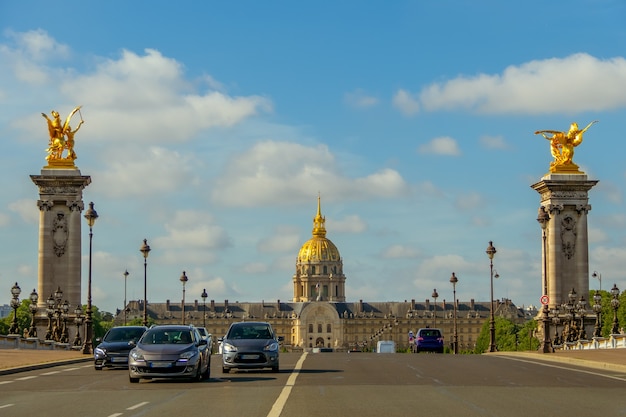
(278,305)
(413,304)
(472,305)
(195,304)
(212,305)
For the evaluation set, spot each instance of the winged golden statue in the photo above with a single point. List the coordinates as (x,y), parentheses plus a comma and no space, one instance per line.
(61,138)
(562,146)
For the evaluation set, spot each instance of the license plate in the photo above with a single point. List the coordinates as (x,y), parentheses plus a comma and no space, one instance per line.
(249,357)
(160,364)
(120,359)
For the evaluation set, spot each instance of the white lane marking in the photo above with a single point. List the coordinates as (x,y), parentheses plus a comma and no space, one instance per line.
(277,408)
(566,368)
(5,382)
(24,378)
(70,369)
(115,415)
(137,405)
(6,405)
(51,373)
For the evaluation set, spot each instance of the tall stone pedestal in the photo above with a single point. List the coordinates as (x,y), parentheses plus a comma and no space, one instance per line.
(60,206)
(566,252)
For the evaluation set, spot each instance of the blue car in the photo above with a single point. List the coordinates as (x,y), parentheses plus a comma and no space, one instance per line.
(429,340)
(112,352)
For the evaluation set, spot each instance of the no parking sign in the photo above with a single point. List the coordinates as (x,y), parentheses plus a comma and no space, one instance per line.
(544,300)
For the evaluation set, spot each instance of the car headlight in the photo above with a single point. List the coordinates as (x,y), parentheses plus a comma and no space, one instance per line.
(99,352)
(271,347)
(188,355)
(227,347)
(136,355)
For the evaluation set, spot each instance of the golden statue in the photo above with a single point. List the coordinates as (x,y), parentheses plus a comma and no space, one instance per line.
(562,146)
(61,138)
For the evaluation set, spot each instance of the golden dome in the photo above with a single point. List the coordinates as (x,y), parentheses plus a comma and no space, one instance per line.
(318,248)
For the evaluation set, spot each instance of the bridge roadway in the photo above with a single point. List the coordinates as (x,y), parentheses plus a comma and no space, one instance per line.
(343,384)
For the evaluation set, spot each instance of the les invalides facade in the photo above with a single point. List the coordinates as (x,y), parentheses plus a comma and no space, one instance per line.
(318,316)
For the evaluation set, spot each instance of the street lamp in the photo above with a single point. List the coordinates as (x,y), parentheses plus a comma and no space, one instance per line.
(58,296)
(90,216)
(598,275)
(15,303)
(78,312)
(125,309)
(615,305)
(204,296)
(597,308)
(183,279)
(435,295)
(491,251)
(50,313)
(65,308)
(454,280)
(34,297)
(145,250)
(546,346)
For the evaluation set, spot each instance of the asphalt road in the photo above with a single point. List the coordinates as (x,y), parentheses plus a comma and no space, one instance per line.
(328,384)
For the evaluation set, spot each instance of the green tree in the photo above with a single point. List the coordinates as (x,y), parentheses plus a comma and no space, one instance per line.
(23,318)
(509,336)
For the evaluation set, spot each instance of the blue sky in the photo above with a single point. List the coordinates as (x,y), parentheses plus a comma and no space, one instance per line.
(211,127)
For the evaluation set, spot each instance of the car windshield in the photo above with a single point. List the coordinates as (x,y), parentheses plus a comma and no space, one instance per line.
(167,336)
(260,331)
(430,333)
(121,334)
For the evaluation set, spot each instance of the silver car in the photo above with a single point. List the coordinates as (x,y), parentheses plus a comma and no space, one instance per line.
(170,351)
(250,345)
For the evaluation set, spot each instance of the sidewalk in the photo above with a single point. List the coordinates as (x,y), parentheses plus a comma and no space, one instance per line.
(17,360)
(614,359)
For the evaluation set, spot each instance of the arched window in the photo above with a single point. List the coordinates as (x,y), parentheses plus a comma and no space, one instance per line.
(310,327)
(319,327)
(328,328)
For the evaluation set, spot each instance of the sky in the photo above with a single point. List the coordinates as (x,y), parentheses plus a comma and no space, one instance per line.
(211,128)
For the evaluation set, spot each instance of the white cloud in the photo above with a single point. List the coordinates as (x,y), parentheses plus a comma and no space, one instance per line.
(406,103)
(400,252)
(349,224)
(493,142)
(359,99)
(443,145)
(284,239)
(276,171)
(573,84)
(26,209)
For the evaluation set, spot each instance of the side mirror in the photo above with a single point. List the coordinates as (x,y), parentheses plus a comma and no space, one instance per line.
(220,339)
(280,338)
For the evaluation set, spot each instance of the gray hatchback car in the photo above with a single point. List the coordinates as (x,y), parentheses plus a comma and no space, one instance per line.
(250,345)
(170,351)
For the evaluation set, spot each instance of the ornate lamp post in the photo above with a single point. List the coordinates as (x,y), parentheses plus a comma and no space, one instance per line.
(15,303)
(546,346)
(554,314)
(125,309)
(615,305)
(78,311)
(34,298)
(599,276)
(65,308)
(435,295)
(454,280)
(597,308)
(145,250)
(491,251)
(204,296)
(58,296)
(582,311)
(183,279)
(90,216)
(50,313)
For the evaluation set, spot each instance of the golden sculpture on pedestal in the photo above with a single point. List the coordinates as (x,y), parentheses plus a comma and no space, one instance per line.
(61,139)
(562,146)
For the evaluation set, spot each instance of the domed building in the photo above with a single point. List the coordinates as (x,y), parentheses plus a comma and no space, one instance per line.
(319,268)
(319,316)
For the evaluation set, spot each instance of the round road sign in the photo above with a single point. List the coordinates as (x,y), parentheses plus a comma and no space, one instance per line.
(545,300)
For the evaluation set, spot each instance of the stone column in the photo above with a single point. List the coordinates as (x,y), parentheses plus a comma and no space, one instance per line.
(60,206)
(565,198)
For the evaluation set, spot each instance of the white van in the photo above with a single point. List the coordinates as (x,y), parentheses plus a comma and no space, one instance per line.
(386,346)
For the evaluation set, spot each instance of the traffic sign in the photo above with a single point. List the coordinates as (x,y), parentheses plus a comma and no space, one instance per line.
(545,300)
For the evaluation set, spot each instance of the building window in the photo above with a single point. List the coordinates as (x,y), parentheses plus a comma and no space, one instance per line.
(328,328)
(325,270)
(310,327)
(319,327)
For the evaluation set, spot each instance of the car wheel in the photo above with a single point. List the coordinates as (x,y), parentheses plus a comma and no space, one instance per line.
(207,373)
(225,370)
(133,380)
(275,369)
(198,376)
(98,368)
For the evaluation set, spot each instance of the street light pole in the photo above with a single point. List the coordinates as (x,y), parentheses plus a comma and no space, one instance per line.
(598,275)
(435,295)
(204,296)
(597,308)
(183,279)
(90,216)
(491,251)
(34,298)
(125,309)
(615,305)
(145,250)
(546,345)
(15,303)
(454,280)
